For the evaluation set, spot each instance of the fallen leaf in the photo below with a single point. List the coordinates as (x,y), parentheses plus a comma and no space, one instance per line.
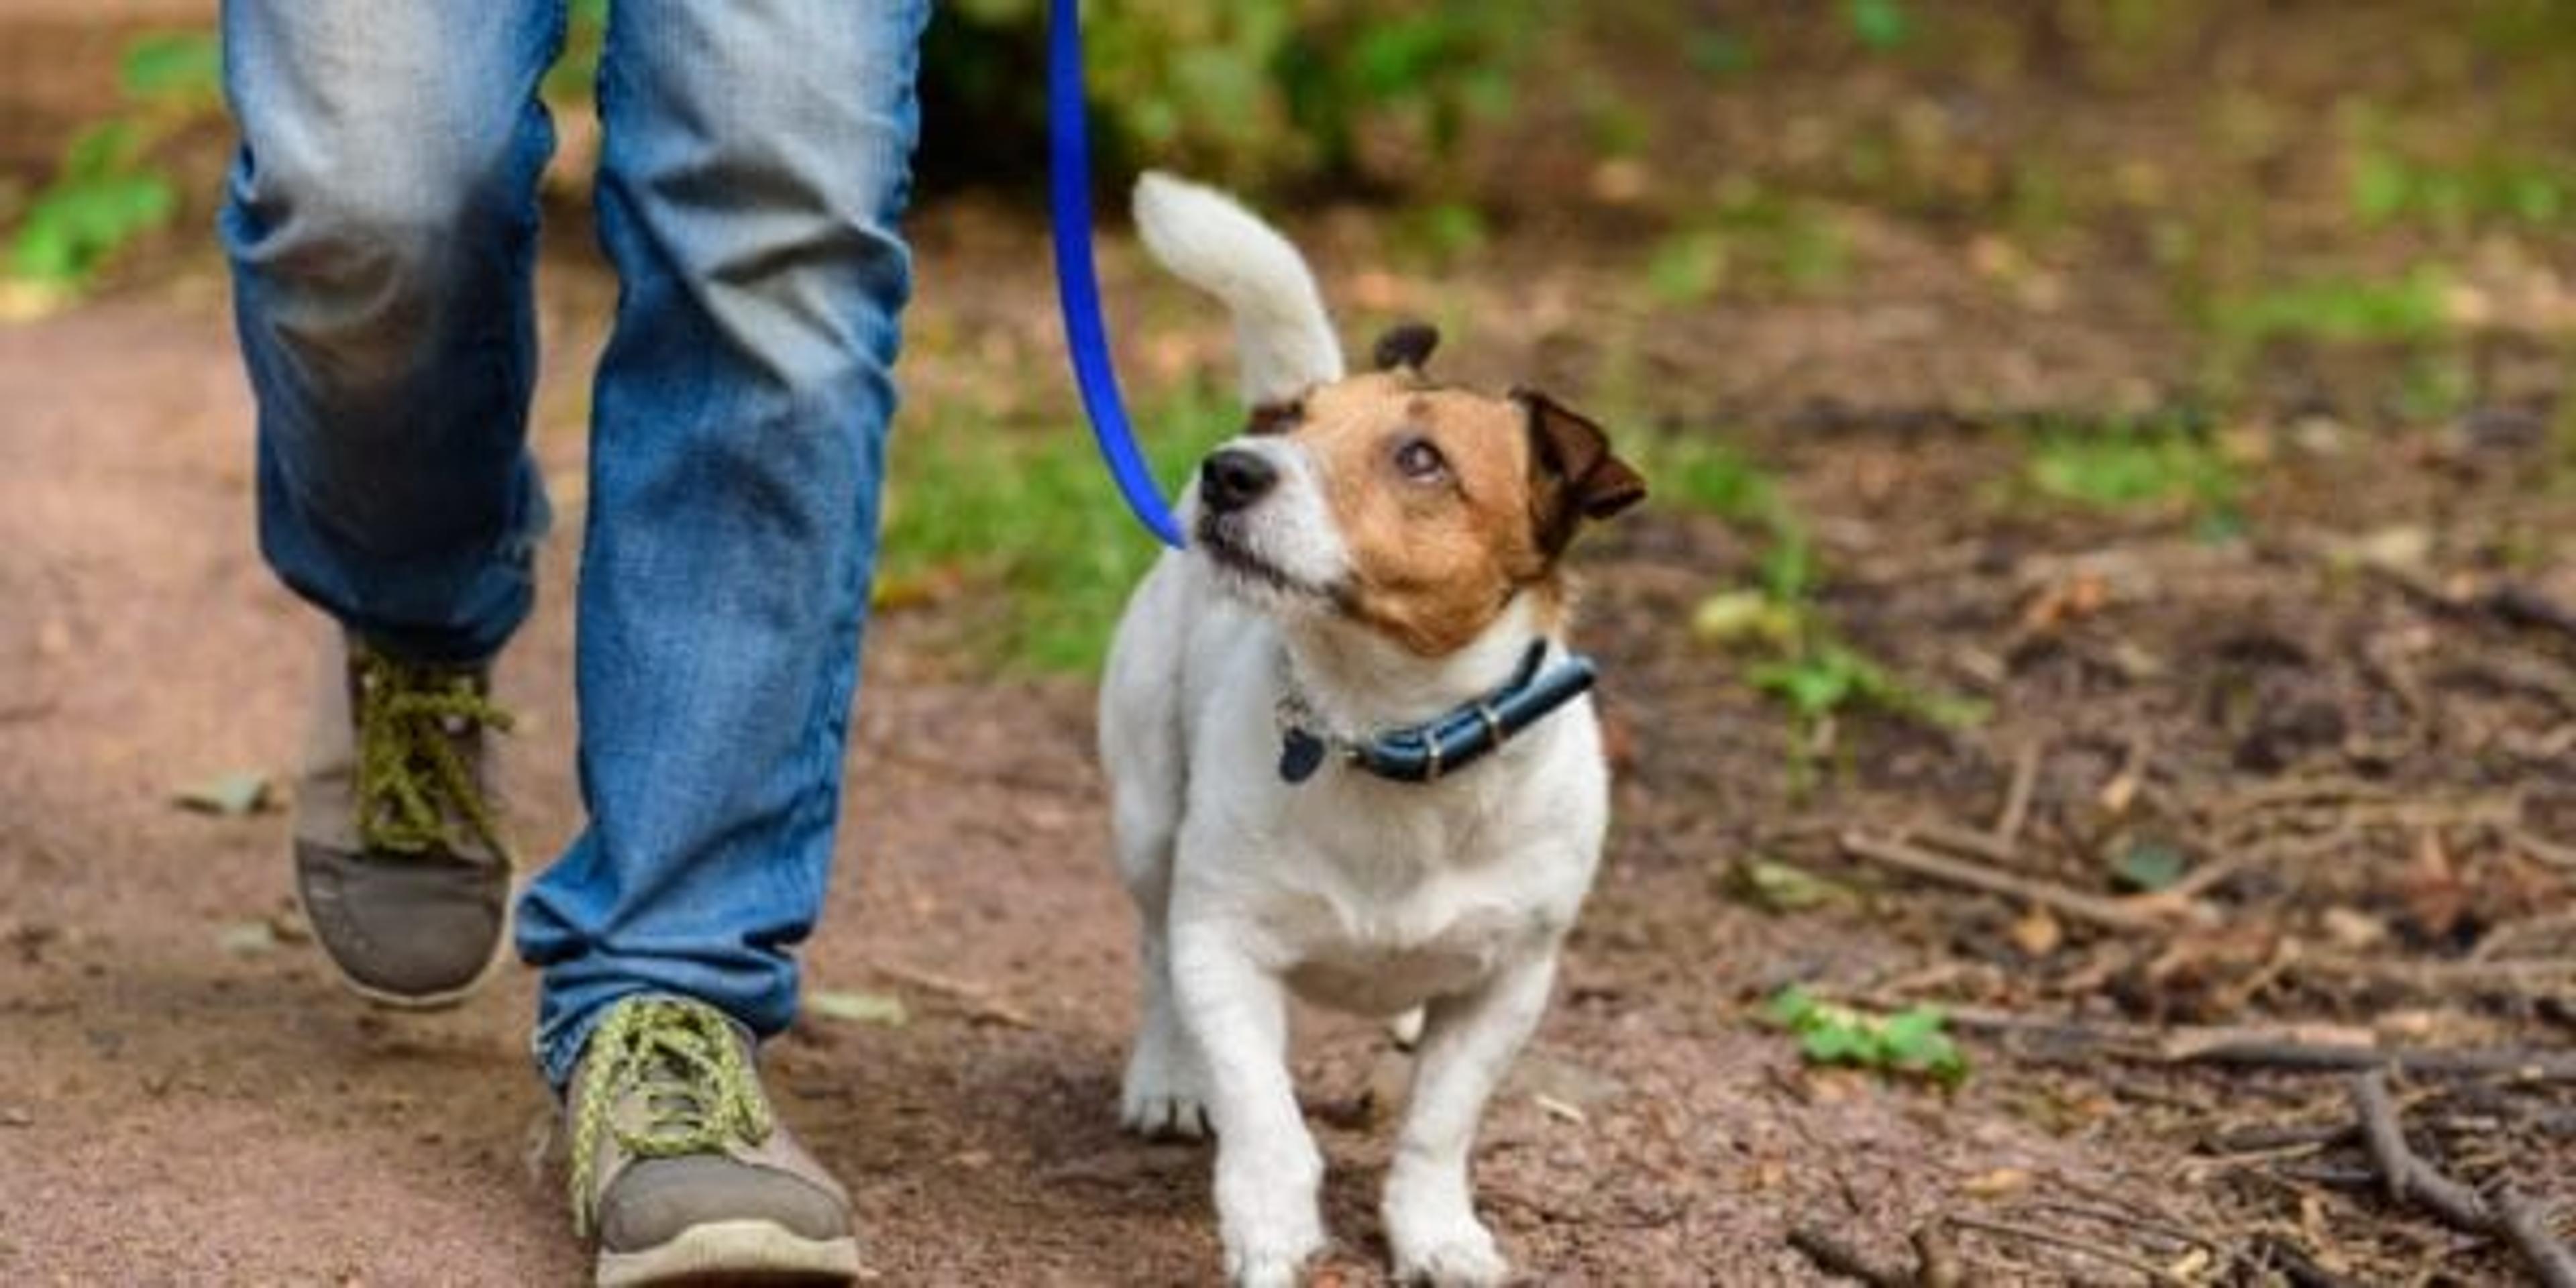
(1556,1108)
(859,1007)
(1566,1083)
(1784,887)
(2353,929)
(2036,933)
(246,938)
(231,794)
(1737,616)
(1996,1184)
(2149,866)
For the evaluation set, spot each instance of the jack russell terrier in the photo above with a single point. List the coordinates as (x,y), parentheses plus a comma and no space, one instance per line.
(1348,751)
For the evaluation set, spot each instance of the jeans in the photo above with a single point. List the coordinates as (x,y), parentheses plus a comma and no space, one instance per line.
(382,225)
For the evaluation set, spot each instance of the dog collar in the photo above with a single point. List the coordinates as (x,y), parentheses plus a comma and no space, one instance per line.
(1442,745)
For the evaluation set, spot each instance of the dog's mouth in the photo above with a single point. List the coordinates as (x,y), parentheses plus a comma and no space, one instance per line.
(1224,546)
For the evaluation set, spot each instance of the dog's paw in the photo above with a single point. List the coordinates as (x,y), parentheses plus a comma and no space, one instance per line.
(1273,1262)
(1406,1029)
(1163,1096)
(1457,1256)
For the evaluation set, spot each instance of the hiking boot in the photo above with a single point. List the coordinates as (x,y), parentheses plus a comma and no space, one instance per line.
(679,1171)
(399,858)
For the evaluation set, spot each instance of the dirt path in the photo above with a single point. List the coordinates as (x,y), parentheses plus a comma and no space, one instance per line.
(186,1098)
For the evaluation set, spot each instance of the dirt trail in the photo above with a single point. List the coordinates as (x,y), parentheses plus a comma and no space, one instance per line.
(184,1101)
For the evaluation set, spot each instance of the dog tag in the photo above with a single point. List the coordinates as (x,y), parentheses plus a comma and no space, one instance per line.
(1300,755)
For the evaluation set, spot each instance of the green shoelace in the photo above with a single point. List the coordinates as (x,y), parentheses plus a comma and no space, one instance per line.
(413,784)
(697,1090)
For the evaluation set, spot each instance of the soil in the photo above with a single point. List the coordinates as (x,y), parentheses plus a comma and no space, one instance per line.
(2345,715)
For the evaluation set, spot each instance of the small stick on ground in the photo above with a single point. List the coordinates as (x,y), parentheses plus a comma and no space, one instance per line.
(2016,811)
(2070,1243)
(2528,1227)
(1915,860)
(2276,1050)
(1835,1257)
(2410,1179)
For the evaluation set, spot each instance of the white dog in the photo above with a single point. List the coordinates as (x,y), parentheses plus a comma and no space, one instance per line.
(1349,752)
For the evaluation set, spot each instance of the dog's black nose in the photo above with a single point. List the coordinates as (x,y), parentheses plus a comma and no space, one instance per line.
(1235,478)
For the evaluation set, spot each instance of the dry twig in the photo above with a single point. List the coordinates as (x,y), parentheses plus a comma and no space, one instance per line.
(1914,859)
(2070,1243)
(2288,1049)
(2410,1179)
(2016,811)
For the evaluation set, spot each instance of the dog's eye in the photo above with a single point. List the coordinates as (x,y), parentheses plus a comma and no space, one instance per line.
(1420,460)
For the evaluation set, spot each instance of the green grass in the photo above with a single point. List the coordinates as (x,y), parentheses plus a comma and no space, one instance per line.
(1026,512)
(2119,467)
(2341,310)
(1702,473)
(1751,239)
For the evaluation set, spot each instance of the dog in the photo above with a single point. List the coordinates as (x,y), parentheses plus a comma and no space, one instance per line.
(1349,755)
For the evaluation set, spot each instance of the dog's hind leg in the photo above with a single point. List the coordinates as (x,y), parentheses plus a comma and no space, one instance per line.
(1468,1042)
(1164,1091)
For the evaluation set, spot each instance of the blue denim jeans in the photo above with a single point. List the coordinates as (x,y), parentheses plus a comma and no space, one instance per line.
(382,224)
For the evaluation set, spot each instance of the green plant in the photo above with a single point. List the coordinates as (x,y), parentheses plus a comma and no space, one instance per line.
(2386,187)
(1910,1043)
(1022,514)
(1247,92)
(1808,666)
(1706,474)
(1754,235)
(2119,467)
(110,188)
(1881,26)
(2343,310)
(1822,678)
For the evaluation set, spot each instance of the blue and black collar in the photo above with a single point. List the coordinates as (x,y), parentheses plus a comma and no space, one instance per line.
(1446,743)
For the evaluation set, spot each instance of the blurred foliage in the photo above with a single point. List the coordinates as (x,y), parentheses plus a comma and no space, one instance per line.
(2125,466)
(1015,513)
(2341,309)
(110,188)
(577,68)
(1250,93)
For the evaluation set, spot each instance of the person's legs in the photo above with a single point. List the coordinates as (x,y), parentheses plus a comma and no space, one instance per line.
(757,155)
(381,224)
(756,161)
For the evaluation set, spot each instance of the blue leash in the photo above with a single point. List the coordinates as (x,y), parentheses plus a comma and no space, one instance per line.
(1078,285)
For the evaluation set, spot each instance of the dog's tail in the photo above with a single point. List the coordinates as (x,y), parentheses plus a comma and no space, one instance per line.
(1207,239)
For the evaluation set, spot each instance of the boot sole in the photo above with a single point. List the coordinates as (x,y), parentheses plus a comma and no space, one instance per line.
(438,1001)
(733,1252)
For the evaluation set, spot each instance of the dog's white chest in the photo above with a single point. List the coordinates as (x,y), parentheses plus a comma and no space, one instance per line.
(1389,972)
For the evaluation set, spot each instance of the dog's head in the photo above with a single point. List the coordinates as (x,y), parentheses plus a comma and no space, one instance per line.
(1416,510)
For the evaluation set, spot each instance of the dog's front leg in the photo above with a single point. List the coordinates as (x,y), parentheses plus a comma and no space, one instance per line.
(1267,1168)
(1468,1042)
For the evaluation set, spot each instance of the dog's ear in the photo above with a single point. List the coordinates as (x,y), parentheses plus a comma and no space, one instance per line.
(1576,476)
(1407,345)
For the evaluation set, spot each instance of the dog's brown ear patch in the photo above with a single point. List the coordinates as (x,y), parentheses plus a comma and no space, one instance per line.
(1578,477)
(1275,417)
(1406,344)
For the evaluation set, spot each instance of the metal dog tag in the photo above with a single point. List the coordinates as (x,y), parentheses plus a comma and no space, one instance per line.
(1300,755)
